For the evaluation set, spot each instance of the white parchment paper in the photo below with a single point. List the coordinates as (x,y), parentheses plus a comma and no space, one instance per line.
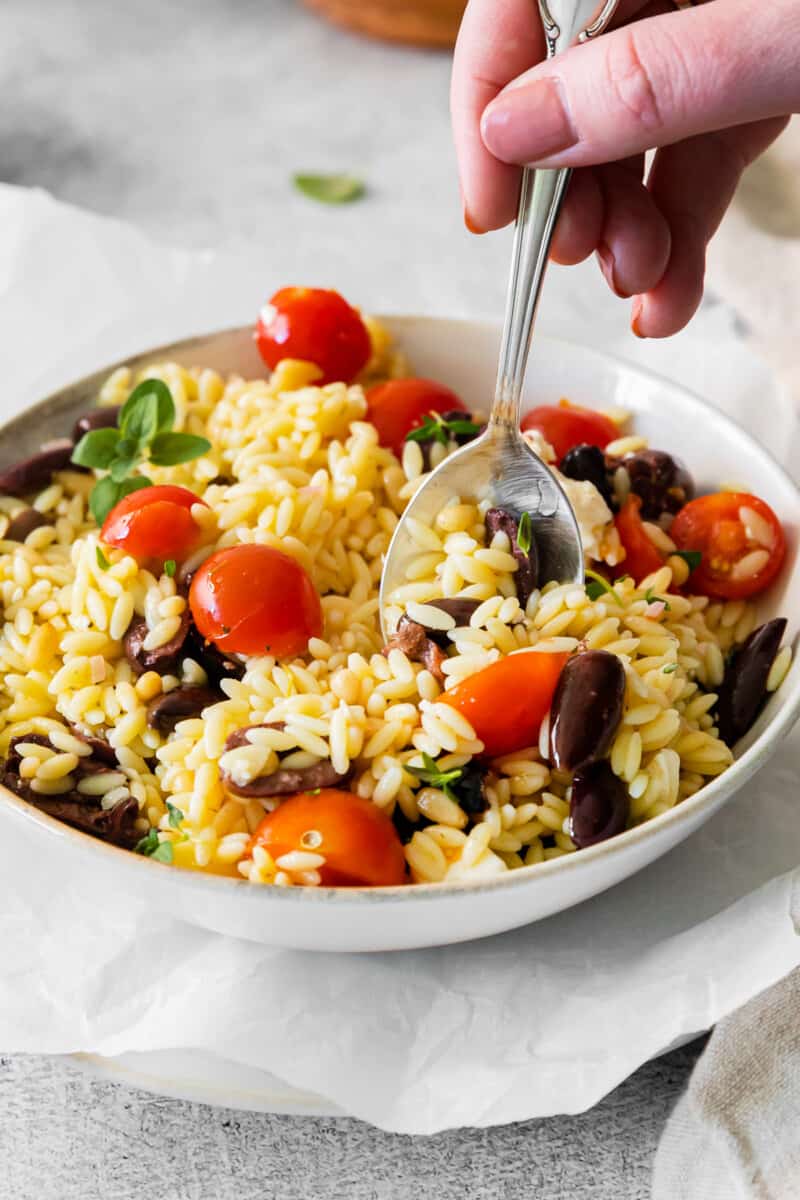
(536,1022)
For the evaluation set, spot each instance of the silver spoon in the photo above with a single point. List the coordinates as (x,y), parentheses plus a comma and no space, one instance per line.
(499,465)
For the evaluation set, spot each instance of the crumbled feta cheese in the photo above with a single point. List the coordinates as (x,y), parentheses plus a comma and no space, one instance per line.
(539,445)
(592,513)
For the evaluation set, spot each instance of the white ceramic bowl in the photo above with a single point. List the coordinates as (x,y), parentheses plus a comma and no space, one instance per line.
(462,354)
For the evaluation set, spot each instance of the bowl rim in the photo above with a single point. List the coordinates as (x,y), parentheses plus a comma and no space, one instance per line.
(707,797)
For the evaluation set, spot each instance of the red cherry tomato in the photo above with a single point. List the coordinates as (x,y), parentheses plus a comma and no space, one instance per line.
(567,425)
(741,557)
(154,523)
(641,556)
(358,841)
(506,702)
(316,325)
(400,405)
(252,599)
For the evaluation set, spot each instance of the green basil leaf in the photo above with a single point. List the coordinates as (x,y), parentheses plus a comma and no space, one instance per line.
(462,426)
(597,586)
(148,843)
(168,449)
(652,598)
(165,406)
(432,429)
(175,815)
(692,558)
(121,468)
(141,422)
(170,566)
(163,853)
(525,533)
(431,774)
(102,561)
(96,448)
(107,492)
(329,189)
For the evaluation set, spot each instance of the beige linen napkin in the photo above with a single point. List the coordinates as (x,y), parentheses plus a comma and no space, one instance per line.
(735,1134)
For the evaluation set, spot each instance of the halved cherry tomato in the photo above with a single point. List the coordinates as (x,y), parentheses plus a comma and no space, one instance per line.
(316,325)
(400,405)
(358,841)
(506,702)
(252,599)
(741,556)
(641,556)
(566,425)
(154,523)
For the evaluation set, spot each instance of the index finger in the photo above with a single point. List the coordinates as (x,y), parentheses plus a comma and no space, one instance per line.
(498,40)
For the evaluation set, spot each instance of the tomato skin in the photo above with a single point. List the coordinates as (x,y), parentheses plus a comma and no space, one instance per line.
(567,425)
(154,523)
(316,325)
(359,842)
(252,599)
(712,525)
(506,702)
(400,405)
(641,556)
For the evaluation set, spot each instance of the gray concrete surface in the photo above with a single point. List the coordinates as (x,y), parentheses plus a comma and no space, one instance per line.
(64,1136)
(189,119)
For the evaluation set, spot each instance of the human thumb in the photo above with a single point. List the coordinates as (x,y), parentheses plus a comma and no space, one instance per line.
(651,83)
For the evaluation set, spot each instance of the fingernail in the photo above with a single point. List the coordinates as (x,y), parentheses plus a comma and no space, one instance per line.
(529,122)
(472,225)
(609,268)
(636,314)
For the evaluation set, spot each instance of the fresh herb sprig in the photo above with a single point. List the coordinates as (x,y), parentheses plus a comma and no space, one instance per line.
(597,587)
(437,428)
(692,558)
(329,189)
(652,598)
(525,533)
(151,847)
(144,433)
(431,774)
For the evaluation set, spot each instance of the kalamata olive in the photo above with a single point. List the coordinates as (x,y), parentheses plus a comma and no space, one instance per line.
(460,608)
(469,790)
(116,825)
(239,736)
(599,805)
(663,484)
(744,688)
(34,473)
(499,520)
(164,659)
(586,709)
(588,463)
(419,646)
(164,712)
(217,666)
(96,418)
(287,781)
(24,523)
(102,752)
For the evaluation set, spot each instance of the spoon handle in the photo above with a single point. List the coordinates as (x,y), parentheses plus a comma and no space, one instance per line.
(540,200)
(541,196)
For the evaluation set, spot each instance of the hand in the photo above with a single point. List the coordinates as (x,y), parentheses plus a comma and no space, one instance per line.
(710,87)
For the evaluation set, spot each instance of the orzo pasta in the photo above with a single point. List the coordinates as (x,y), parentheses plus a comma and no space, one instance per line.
(191,662)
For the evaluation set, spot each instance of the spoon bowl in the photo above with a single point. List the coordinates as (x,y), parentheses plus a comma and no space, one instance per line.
(499,467)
